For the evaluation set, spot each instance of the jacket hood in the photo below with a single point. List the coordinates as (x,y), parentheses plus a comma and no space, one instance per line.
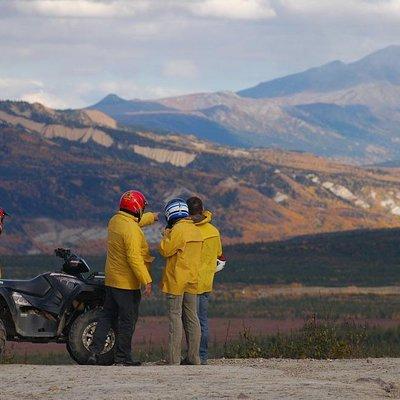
(127,215)
(183,220)
(205,218)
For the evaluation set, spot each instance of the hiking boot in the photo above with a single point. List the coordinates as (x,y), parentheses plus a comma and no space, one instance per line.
(161,362)
(185,361)
(129,363)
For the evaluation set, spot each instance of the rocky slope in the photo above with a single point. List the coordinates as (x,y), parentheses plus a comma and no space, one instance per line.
(345,111)
(62,187)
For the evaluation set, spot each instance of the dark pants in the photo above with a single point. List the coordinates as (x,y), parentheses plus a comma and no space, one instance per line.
(121,312)
(202,312)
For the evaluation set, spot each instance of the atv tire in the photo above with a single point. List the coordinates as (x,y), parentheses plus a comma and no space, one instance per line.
(3,337)
(80,336)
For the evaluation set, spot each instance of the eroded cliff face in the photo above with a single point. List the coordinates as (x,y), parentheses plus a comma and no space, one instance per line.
(83,135)
(176,158)
(23,117)
(99,118)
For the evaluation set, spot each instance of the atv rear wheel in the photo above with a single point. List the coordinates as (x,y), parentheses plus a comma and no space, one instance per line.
(3,337)
(81,335)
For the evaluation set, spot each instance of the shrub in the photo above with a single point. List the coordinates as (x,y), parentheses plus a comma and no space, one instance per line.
(319,340)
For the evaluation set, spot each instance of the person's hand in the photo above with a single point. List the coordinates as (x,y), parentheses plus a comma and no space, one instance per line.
(156,216)
(147,290)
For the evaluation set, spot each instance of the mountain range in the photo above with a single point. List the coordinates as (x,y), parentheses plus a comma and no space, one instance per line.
(346,111)
(62,173)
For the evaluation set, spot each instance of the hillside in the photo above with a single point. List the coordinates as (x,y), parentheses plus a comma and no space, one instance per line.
(345,111)
(352,258)
(363,258)
(63,172)
(155,116)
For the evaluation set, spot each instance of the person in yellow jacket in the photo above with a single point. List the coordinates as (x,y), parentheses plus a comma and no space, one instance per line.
(211,253)
(127,270)
(181,246)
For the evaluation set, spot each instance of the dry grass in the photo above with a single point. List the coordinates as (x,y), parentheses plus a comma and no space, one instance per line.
(297,290)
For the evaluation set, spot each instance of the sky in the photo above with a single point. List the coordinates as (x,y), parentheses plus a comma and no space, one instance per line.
(71,53)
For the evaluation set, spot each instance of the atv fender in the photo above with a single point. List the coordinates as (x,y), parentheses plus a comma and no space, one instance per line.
(5,297)
(11,311)
(81,292)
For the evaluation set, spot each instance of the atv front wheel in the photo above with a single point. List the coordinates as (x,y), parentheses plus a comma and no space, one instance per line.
(81,335)
(3,336)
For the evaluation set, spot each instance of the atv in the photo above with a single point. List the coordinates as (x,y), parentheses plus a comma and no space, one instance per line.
(61,307)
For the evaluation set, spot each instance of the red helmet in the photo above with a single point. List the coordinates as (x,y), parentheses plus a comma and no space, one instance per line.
(133,202)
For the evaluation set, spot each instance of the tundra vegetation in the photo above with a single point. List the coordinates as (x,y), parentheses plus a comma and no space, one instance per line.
(342,285)
(316,339)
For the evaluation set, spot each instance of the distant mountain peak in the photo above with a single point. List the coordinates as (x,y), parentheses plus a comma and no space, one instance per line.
(113,105)
(380,66)
(389,50)
(111,99)
(387,56)
(335,63)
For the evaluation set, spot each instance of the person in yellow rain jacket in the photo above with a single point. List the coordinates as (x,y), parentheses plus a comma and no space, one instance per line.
(211,255)
(118,273)
(181,246)
(127,270)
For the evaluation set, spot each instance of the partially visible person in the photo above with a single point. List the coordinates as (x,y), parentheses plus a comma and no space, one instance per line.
(211,256)
(127,270)
(181,246)
(3,214)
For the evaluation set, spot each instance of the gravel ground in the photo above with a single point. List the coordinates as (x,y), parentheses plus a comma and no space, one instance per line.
(227,379)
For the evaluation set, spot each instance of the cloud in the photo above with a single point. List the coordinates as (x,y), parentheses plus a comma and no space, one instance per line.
(84,94)
(131,89)
(223,9)
(214,9)
(184,69)
(13,87)
(340,8)
(80,8)
(30,90)
(87,93)
(45,98)
(232,9)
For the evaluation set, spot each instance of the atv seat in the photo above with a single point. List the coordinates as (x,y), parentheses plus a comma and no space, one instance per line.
(38,286)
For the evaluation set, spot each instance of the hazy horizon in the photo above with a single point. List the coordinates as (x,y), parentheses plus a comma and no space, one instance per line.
(66,53)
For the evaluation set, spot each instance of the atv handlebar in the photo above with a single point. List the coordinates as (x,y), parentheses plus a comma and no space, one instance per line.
(65,254)
(73,264)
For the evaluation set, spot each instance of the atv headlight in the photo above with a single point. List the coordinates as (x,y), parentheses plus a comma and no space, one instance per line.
(20,300)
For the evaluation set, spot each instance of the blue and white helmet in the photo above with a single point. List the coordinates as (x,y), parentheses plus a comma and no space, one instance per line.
(176,209)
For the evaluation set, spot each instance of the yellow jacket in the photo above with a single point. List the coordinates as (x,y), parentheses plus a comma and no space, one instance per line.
(128,254)
(212,249)
(147,219)
(181,246)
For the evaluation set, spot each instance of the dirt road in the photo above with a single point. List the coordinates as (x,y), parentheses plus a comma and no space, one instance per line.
(227,379)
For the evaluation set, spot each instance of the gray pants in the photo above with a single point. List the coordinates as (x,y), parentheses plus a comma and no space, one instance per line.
(182,315)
